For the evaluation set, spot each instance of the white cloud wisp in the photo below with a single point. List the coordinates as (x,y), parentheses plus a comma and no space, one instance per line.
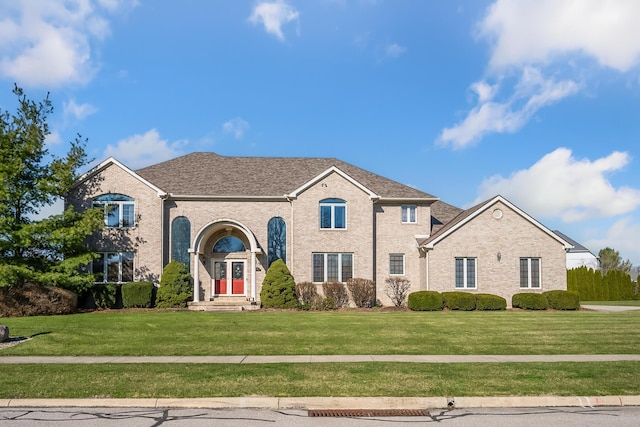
(273,15)
(138,150)
(559,185)
(237,127)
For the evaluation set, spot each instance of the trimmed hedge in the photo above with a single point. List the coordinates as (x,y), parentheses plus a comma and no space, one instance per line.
(464,301)
(137,294)
(105,296)
(530,301)
(425,301)
(563,300)
(490,302)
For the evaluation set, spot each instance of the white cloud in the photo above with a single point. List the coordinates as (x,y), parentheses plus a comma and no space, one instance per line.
(53,138)
(273,15)
(138,151)
(77,111)
(538,31)
(394,50)
(559,185)
(237,127)
(534,36)
(623,237)
(532,92)
(45,43)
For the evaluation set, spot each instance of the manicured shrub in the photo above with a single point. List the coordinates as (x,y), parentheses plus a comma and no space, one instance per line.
(328,304)
(337,292)
(176,287)
(397,289)
(490,302)
(529,301)
(278,287)
(106,296)
(425,301)
(563,300)
(308,297)
(464,301)
(137,294)
(363,292)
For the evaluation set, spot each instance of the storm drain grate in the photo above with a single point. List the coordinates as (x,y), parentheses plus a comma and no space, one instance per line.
(368,413)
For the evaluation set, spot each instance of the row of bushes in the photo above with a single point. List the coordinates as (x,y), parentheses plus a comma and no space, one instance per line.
(361,292)
(591,285)
(174,291)
(466,301)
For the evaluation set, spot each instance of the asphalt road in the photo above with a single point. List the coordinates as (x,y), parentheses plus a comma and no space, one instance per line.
(141,417)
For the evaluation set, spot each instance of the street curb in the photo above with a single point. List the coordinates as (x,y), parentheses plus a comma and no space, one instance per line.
(278,403)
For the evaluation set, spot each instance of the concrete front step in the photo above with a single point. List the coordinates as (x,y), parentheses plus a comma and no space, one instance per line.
(224,304)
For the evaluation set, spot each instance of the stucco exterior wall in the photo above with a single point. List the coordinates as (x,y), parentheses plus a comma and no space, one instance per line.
(483,238)
(394,237)
(145,238)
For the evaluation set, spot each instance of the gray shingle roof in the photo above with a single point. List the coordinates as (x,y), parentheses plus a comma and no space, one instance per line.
(209,174)
(441,214)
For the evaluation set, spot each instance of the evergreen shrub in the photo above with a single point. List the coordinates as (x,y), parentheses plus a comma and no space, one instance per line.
(530,301)
(176,287)
(425,301)
(563,300)
(464,301)
(490,302)
(105,296)
(278,287)
(137,294)
(337,292)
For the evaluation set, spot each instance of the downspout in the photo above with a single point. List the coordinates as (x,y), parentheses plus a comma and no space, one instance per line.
(163,197)
(290,252)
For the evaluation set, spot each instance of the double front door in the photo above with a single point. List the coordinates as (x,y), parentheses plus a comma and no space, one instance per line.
(228,277)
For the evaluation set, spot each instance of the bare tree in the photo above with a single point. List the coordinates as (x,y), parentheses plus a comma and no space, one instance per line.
(397,289)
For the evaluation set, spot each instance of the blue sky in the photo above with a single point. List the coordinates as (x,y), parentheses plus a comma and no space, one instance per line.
(538,101)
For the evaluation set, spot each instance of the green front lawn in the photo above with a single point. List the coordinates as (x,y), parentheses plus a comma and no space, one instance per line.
(322,379)
(168,333)
(633,303)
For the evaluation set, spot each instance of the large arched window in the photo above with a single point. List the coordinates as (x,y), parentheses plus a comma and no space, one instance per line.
(333,214)
(119,210)
(277,239)
(229,244)
(181,240)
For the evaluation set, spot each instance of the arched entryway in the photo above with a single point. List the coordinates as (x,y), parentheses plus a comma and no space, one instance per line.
(224,261)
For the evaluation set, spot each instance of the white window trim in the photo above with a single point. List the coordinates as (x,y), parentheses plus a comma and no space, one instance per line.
(105,266)
(529,271)
(404,267)
(464,273)
(409,208)
(333,206)
(105,205)
(325,265)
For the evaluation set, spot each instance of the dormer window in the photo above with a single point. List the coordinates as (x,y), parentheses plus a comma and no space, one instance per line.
(118,210)
(333,214)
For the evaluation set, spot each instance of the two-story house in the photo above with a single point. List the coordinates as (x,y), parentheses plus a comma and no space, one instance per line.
(228,218)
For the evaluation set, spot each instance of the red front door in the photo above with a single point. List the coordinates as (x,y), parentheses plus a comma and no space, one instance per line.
(220,277)
(237,281)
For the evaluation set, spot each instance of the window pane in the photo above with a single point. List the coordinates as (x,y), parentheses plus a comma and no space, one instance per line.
(127,215)
(396,264)
(113,267)
(524,273)
(325,216)
(113,215)
(535,273)
(404,214)
(459,273)
(347,267)
(98,268)
(332,268)
(340,217)
(127,267)
(318,267)
(412,214)
(471,273)
(277,240)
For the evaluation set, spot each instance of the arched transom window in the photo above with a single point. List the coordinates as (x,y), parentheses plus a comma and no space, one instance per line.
(229,244)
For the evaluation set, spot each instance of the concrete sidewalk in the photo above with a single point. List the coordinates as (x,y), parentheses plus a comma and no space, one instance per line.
(322,359)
